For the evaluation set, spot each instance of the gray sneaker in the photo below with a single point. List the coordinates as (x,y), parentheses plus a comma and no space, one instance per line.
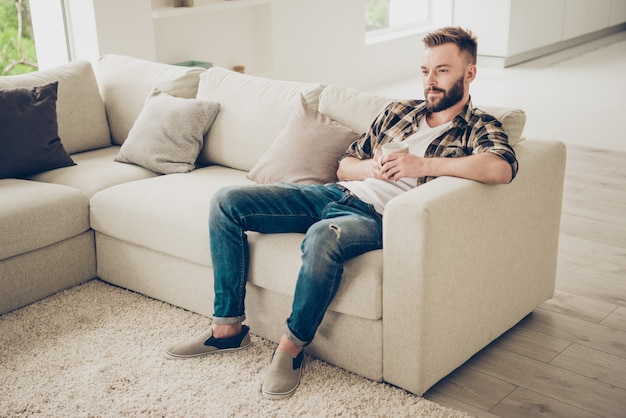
(283,375)
(207,344)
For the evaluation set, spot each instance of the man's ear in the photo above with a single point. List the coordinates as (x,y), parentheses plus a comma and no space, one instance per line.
(470,73)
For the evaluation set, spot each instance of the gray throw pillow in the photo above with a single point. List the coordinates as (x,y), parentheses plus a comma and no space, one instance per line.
(306,151)
(29,139)
(168,134)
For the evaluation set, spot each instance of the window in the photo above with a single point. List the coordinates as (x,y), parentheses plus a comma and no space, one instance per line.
(51,37)
(17,44)
(386,16)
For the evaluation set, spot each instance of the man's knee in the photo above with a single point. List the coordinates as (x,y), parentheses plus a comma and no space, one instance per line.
(229,196)
(224,201)
(323,236)
(225,194)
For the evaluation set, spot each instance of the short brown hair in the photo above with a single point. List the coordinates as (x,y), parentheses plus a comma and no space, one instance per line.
(464,39)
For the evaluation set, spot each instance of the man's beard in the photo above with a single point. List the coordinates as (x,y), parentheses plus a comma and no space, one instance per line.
(449,98)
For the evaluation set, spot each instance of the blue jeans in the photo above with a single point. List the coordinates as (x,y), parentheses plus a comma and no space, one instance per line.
(337,227)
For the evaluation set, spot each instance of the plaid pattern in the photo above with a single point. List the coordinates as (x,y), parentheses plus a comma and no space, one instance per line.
(473,131)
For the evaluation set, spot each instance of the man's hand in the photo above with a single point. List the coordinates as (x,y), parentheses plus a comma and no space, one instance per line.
(398,165)
(390,167)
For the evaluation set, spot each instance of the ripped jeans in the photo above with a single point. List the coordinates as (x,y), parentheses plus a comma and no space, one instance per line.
(337,227)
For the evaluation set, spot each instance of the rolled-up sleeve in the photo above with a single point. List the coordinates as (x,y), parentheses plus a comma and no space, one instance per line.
(489,136)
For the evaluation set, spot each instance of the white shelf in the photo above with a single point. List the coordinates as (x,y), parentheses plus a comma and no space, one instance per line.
(205,6)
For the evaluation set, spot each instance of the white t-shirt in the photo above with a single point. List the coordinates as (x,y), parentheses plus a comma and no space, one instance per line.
(378,192)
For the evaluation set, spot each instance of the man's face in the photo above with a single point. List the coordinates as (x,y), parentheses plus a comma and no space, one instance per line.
(444,73)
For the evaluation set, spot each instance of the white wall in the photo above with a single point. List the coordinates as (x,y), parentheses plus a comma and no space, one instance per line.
(316,40)
(324,40)
(321,40)
(125,27)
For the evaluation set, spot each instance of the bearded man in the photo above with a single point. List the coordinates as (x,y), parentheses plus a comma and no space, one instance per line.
(446,136)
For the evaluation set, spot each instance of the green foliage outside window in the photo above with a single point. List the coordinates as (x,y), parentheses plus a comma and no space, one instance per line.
(376,15)
(17,44)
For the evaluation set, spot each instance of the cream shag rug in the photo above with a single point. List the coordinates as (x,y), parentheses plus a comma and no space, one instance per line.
(95,351)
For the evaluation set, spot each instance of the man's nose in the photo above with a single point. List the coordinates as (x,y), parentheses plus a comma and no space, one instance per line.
(430,79)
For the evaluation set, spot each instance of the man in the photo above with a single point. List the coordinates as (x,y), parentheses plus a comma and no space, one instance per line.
(342,220)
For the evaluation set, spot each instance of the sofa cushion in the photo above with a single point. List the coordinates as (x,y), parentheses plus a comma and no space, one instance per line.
(168,134)
(357,110)
(131,211)
(29,139)
(253,112)
(34,215)
(125,82)
(353,108)
(94,171)
(275,261)
(81,117)
(307,150)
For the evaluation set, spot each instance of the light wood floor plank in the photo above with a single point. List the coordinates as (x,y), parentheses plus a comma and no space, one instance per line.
(524,403)
(599,260)
(450,402)
(563,385)
(599,337)
(585,209)
(593,160)
(475,388)
(581,307)
(594,230)
(532,344)
(588,285)
(594,364)
(617,319)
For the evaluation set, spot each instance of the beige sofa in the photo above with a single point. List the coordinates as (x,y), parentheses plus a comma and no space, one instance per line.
(462,261)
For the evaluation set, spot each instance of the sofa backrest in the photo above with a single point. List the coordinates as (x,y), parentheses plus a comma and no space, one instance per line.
(253,111)
(357,110)
(81,118)
(126,82)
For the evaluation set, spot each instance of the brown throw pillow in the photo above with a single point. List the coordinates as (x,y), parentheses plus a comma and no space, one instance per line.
(306,151)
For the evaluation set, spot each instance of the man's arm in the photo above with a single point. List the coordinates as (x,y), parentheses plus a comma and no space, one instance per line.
(485,167)
(352,168)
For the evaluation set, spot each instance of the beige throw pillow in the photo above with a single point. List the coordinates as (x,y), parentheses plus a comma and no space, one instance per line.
(168,133)
(306,151)
(126,81)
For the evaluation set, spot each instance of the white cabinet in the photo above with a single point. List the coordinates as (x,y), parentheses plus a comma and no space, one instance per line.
(585,16)
(535,24)
(513,31)
(618,12)
(489,20)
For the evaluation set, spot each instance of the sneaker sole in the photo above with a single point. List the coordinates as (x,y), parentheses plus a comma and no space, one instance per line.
(278,396)
(171,356)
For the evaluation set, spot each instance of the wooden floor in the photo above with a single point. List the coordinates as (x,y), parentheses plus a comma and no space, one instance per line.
(567,358)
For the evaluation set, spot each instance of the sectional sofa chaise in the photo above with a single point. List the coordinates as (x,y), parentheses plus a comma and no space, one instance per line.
(151,143)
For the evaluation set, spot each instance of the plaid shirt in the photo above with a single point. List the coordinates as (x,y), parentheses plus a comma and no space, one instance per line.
(473,131)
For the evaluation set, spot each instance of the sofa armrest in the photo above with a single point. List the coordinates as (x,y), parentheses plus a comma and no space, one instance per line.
(464,262)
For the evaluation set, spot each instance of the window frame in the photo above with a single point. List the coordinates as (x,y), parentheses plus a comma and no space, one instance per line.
(440,13)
